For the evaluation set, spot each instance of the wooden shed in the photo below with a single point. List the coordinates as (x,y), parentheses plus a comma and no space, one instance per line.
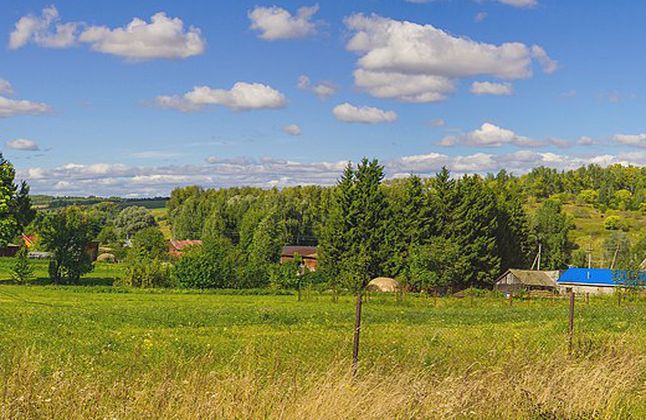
(514,280)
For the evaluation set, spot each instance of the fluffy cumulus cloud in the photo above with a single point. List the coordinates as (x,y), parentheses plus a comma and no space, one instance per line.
(293,130)
(490,88)
(362,114)
(638,140)
(12,107)
(491,135)
(23,144)
(162,37)
(241,97)
(322,89)
(420,63)
(45,30)
(275,23)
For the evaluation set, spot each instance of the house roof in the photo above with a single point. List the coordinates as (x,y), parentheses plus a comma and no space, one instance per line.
(595,276)
(179,245)
(303,251)
(532,277)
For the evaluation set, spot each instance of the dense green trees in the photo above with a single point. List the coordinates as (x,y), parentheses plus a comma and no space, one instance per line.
(15,205)
(66,234)
(551,227)
(133,219)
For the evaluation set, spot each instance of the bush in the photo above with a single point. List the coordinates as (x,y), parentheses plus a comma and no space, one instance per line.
(612,223)
(22,270)
(148,243)
(212,265)
(146,274)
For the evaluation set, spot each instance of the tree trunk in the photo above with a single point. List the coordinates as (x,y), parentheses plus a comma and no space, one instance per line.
(357,333)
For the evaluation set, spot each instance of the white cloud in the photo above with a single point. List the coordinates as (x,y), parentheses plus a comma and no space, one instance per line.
(638,140)
(519,3)
(490,88)
(45,30)
(162,37)
(276,23)
(548,65)
(420,63)
(241,97)
(490,135)
(322,89)
(293,130)
(123,180)
(13,107)
(585,141)
(404,87)
(5,88)
(23,144)
(364,114)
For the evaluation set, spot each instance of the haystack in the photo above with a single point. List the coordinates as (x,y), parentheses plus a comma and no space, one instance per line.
(383,284)
(106,257)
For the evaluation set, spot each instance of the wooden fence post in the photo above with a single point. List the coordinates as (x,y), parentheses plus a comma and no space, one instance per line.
(510,298)
(587,298)
(571,322)
(357,332)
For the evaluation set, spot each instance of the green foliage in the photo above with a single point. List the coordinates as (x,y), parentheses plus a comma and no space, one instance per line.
(133,219)
(22,270)
(612,223)
(588,197)
(66,234)
(212,265)
(551,227)
(617,250)
(437,266)
(146,273)
(15,205)
(148,243)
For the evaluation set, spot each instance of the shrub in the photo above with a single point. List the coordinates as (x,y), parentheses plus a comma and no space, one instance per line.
(212,265)
(22,270)
(148,243)
(146,273)
(612,223)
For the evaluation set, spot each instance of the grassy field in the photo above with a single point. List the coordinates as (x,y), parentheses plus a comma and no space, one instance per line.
(107,353)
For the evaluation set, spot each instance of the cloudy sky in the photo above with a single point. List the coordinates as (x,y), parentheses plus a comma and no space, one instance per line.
(139,97)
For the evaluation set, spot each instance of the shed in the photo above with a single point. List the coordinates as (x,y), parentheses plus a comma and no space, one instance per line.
(383,284)
(307,253)
(597,281)
(514,280)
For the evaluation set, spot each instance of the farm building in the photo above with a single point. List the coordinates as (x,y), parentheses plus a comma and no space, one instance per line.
(383,284)
(514,280)
(597,281)
(307,253)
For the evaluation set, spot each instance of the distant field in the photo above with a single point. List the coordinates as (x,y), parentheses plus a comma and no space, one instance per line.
(87,352)
(103,273)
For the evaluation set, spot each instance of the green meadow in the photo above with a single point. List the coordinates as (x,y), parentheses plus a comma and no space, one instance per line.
(123,353)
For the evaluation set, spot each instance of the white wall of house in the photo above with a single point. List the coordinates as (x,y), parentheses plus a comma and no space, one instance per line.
(583,289)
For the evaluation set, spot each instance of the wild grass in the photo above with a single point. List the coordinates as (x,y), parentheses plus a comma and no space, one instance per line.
(73,352)
(103,273)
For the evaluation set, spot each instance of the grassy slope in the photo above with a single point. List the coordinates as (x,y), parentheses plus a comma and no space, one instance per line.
(70,352)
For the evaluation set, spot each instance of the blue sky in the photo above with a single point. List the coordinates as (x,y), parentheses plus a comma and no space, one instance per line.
(89,105)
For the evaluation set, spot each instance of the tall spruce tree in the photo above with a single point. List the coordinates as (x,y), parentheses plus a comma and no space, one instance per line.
(551,228)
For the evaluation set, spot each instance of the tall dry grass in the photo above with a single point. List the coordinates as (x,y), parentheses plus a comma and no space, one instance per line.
(556,386)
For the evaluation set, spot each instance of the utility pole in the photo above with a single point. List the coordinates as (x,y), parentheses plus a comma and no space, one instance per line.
(540,249)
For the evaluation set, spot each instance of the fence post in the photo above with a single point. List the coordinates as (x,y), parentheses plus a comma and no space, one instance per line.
(510,297)
(587,298)
(571,322)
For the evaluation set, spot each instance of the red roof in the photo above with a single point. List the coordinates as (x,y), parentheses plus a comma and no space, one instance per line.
(303,251)
(176,246)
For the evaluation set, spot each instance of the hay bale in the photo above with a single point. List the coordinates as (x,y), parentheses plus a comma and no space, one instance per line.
(107,258)
(383,284)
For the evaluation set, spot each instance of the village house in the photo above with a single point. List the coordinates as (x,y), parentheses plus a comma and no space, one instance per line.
(514,280)
(307,253)
(175,247)
(595,281)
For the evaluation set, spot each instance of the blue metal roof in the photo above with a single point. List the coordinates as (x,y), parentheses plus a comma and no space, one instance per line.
(594,276)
